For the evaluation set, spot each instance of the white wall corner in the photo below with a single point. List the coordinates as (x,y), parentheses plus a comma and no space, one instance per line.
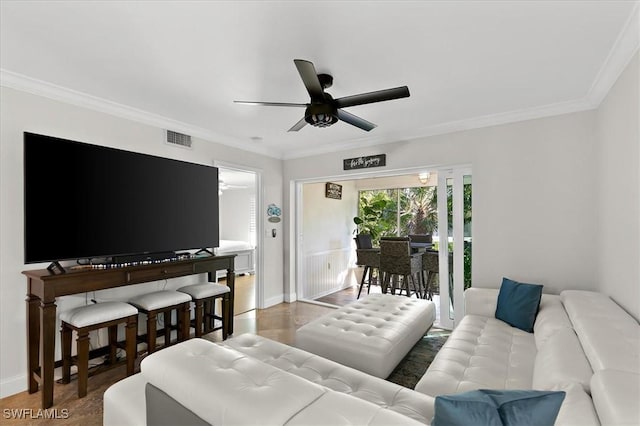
(624,48)
(290,298)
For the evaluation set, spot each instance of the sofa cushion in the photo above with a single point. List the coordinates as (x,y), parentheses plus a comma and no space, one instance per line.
(615,397)
(480,301)
(497,407)
(124,402)
(186,371)
(518,304)
(561,360)
(223,386)
(335,376)
(481,353)
(609,336)
(338,409)
(577,408)
(550,319)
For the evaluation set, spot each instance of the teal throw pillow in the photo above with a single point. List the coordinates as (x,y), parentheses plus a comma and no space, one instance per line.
(518,304)
(489,407)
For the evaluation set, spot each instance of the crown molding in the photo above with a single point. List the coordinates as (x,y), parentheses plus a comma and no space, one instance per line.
(45,89)
(455,126)
(623,50)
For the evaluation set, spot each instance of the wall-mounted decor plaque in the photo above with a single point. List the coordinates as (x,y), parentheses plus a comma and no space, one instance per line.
(333,190)
(365,162)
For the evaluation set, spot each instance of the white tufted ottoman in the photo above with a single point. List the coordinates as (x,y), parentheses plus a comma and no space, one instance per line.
(372,334)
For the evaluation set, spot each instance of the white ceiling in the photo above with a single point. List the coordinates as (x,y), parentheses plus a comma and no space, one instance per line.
(181,64)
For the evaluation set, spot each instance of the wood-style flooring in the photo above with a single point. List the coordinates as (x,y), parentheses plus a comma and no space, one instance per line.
(277,323)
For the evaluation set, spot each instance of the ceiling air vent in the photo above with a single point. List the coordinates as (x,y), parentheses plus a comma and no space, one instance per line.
(176,138)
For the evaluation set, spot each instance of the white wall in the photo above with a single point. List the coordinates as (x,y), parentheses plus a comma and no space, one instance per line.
(328,223)
(534,201)
(235,214)
(25,112)
(618,205)
(327,251)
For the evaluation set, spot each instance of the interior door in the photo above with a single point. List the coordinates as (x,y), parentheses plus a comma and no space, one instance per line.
(454,235)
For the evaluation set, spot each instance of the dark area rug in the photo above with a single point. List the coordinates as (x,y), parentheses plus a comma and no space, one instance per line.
(416,362)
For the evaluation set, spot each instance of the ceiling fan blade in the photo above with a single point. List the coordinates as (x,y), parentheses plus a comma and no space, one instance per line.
(354,120)
(299,125)
(377,96)
(285,104)
(310,79)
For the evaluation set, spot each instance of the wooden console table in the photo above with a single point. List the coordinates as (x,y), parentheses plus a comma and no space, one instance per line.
(43,287)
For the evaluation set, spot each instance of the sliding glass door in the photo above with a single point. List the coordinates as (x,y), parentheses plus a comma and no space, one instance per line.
(454,242)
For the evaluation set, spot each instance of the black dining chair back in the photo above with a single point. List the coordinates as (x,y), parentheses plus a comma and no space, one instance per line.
(421,238)
(431,268)
(397,262)
(363,241)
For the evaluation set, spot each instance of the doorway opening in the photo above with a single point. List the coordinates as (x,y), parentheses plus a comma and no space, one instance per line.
(239,234)
(326,252)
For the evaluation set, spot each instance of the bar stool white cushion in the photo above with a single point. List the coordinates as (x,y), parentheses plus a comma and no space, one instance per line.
(159,299)
(202,291)
(85,316)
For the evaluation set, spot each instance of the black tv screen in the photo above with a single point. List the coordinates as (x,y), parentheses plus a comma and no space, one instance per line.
(85,201)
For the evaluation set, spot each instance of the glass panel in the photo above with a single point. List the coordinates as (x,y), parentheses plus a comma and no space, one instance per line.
(418,210)
(377,213)
(449,245)
(467,230)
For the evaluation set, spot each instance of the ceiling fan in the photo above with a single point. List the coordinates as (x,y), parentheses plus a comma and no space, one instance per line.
(323,110)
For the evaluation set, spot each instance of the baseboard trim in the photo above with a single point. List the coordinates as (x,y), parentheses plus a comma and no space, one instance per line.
(273,301)
(13,385)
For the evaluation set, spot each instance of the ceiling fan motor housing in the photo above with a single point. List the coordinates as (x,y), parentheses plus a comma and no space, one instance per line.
(321,115)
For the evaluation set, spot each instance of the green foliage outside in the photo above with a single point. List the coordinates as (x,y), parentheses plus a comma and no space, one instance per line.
(377,212)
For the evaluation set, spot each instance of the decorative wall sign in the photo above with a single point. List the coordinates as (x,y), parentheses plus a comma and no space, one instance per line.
(274,212)
(365,162)
(333,190)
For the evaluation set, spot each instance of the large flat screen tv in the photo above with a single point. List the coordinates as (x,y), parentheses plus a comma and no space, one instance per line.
(86,201)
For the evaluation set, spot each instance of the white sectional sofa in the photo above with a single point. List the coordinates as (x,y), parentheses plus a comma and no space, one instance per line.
(249,379)
(583,343)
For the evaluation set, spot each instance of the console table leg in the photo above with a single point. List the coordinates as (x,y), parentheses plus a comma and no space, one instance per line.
(33,341)
(47,356)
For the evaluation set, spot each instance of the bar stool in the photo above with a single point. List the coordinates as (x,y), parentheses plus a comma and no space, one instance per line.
(164,302)
(84,319)
(204,296)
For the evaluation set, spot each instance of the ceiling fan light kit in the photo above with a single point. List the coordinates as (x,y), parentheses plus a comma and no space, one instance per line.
(321,115)
(323,110)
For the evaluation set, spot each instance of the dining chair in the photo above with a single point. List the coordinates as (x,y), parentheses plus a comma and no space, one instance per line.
(363,241)
(397,262)
(431,268)
(370,259)
(420,242)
